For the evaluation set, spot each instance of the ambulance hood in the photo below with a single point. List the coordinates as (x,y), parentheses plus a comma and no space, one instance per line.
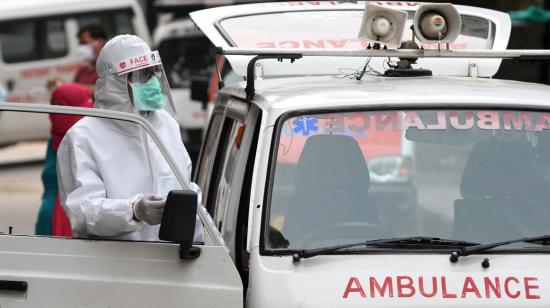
(335,25)
(403,280)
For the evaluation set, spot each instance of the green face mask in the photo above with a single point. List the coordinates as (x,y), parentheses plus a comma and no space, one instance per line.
(148,95)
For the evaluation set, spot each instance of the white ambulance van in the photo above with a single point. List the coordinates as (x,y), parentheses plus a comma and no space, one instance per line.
(295,212)
(38,41)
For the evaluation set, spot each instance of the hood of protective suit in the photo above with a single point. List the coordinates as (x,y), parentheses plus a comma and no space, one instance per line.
(111,91)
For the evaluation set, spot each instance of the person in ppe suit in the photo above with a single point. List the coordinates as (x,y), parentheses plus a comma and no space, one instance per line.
(112,177)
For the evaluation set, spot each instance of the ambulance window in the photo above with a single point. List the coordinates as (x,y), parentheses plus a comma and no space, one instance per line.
(33,40)
(208,152)
(185,58)
(56,42)
(473,175)
(113,23)
(219,186)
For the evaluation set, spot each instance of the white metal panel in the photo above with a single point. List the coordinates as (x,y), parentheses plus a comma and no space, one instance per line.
(322,281)
(76,273)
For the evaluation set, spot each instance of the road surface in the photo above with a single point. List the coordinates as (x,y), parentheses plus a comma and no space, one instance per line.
(20,186)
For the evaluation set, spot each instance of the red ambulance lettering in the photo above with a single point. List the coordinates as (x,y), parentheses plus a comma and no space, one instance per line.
(412,120)
(387,285)
(468,120)
(493,287)
(507,287)
(470,287)
(390,3)
(528,287)
(313,3)
(314,44)
(409,287)
(266,45)
(289,44)
(453,46)
(356,119)
(338,43)
(34,73)
(522,122)
(354,286)
(488,120)
(423,290)
(405,286)
(441,122)
(444,289)
(543,122)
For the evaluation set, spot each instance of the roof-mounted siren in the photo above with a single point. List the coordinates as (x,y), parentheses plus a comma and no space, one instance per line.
(437,24)
(382,25)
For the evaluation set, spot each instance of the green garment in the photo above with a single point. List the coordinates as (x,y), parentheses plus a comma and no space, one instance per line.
(49,180)
(532,14)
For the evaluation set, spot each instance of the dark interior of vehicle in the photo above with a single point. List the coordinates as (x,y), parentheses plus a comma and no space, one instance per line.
(499,194)
(331,196)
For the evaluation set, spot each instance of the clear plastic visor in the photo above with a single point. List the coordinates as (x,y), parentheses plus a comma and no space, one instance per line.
(148,90)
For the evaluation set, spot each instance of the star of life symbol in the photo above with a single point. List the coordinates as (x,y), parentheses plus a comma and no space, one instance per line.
(305,125)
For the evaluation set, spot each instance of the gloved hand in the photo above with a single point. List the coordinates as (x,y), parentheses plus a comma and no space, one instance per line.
(149,209)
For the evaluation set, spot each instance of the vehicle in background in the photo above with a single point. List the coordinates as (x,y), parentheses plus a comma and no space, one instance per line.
(188,57)
(38,41)
(189,60)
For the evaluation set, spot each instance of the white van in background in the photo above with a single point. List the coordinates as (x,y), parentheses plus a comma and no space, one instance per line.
(187,56)
(38,41)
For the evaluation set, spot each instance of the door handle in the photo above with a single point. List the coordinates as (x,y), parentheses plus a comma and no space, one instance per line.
(10,285)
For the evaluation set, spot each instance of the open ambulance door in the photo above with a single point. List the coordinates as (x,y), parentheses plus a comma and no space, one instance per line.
(44,271)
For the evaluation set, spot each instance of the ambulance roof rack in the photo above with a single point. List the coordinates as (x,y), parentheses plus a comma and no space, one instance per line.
(522,55)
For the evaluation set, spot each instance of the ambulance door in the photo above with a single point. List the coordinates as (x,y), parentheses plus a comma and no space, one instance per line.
(60,272)
(101,271)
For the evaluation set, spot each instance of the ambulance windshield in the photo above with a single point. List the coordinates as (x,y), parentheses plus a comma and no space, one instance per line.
(468,175)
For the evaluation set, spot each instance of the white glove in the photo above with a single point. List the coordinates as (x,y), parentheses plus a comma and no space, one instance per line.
(149,209)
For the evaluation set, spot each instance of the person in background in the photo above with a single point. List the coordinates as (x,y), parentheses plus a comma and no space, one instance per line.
(51,217)
(92,39)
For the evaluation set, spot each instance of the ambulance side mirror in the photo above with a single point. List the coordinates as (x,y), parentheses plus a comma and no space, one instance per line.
(178,222)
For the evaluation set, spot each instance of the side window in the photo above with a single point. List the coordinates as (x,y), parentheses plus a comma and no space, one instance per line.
(208,151)
(31,40)
(225,155)
(114,23)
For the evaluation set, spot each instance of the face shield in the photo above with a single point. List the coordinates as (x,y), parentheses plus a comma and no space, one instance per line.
(148,87)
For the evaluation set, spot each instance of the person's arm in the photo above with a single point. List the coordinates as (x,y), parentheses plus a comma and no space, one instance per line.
(84,199)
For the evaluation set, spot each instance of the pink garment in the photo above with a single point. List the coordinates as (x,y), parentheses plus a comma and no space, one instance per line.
(69,94)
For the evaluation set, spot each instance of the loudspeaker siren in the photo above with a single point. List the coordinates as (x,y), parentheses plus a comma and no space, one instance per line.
(383,25)
(437,23)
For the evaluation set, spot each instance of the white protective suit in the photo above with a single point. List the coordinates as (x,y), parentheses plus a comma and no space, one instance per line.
(104,165)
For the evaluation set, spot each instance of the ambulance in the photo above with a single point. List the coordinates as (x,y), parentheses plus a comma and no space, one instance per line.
(38,41)
(299,167)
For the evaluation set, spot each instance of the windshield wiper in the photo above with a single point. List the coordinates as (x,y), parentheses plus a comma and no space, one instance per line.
(412,240)
(466,251)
